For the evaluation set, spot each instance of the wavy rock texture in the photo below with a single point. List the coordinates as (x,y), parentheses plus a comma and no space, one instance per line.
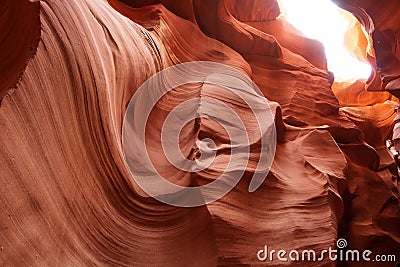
(67,196)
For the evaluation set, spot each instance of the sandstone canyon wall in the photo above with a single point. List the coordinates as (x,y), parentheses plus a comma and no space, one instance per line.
(69,70)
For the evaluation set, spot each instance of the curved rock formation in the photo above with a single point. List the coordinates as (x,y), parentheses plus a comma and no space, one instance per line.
(20,33)
(67,194)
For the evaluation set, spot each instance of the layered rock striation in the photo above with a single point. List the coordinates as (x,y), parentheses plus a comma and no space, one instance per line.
(67,195)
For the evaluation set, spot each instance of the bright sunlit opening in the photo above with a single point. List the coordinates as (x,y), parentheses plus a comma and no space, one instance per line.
(322,20)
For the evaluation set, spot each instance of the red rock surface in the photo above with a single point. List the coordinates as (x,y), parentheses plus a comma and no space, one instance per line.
(20,33)
(67,196)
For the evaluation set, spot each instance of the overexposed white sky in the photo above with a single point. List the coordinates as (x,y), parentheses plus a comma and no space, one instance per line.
(322,20)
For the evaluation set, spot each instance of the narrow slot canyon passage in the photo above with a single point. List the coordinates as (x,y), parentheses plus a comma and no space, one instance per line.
(200,133)
(324,21)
